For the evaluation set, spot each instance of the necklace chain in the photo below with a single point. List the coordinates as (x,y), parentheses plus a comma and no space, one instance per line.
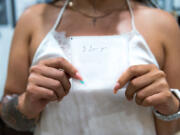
(94,18)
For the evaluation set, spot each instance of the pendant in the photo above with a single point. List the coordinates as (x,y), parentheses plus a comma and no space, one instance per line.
(94,21)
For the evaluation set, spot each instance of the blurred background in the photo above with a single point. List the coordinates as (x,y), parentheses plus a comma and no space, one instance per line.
(11,10)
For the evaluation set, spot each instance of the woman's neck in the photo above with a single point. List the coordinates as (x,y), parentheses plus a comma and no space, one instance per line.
(100,6)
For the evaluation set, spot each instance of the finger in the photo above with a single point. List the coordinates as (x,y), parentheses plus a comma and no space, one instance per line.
(130,73)
(48,83)
(42,93)
(154,100)
(155,88)
(147,92)
(65,81)
(49,72)
(61,63)
(47,94)
(61,92)
(56,74)
(141,82)
(61,76)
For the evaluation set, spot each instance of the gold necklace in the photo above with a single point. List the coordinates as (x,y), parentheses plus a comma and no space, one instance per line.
(94,18)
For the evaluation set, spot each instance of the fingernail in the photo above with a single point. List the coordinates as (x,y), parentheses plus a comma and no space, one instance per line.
(78,76)
(117,86)
(82,82)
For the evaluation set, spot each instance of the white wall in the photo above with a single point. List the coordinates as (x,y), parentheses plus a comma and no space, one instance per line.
(177,5)
(5,41)
(171,5)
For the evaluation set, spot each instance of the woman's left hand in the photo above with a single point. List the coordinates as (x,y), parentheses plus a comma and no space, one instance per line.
(150,87)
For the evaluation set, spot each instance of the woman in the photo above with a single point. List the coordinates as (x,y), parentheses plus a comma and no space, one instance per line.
(107,45)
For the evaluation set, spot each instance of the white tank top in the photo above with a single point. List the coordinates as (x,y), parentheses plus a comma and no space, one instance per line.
(92,108)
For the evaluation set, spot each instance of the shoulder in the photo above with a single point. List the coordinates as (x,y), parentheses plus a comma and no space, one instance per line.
(33,14)
(39,15)
(160,30)
(43,9)
(158,20)
(157,23)
(29,19)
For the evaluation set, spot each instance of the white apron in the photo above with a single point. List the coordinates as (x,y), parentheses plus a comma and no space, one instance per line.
(92,108)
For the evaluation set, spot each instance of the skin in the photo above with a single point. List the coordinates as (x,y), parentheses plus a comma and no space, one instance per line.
(44,83)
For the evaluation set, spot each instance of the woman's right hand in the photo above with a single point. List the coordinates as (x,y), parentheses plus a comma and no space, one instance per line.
(48,81)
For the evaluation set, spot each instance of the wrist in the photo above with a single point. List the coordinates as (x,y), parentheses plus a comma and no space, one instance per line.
(173,107)
(173,111)
(25,108)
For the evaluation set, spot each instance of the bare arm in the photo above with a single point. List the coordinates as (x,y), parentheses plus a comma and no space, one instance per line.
(18,68)
(171,42)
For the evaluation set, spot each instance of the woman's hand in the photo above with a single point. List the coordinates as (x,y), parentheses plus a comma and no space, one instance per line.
(48,81)
(150,87)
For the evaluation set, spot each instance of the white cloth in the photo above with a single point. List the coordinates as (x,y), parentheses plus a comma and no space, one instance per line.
(92,108)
